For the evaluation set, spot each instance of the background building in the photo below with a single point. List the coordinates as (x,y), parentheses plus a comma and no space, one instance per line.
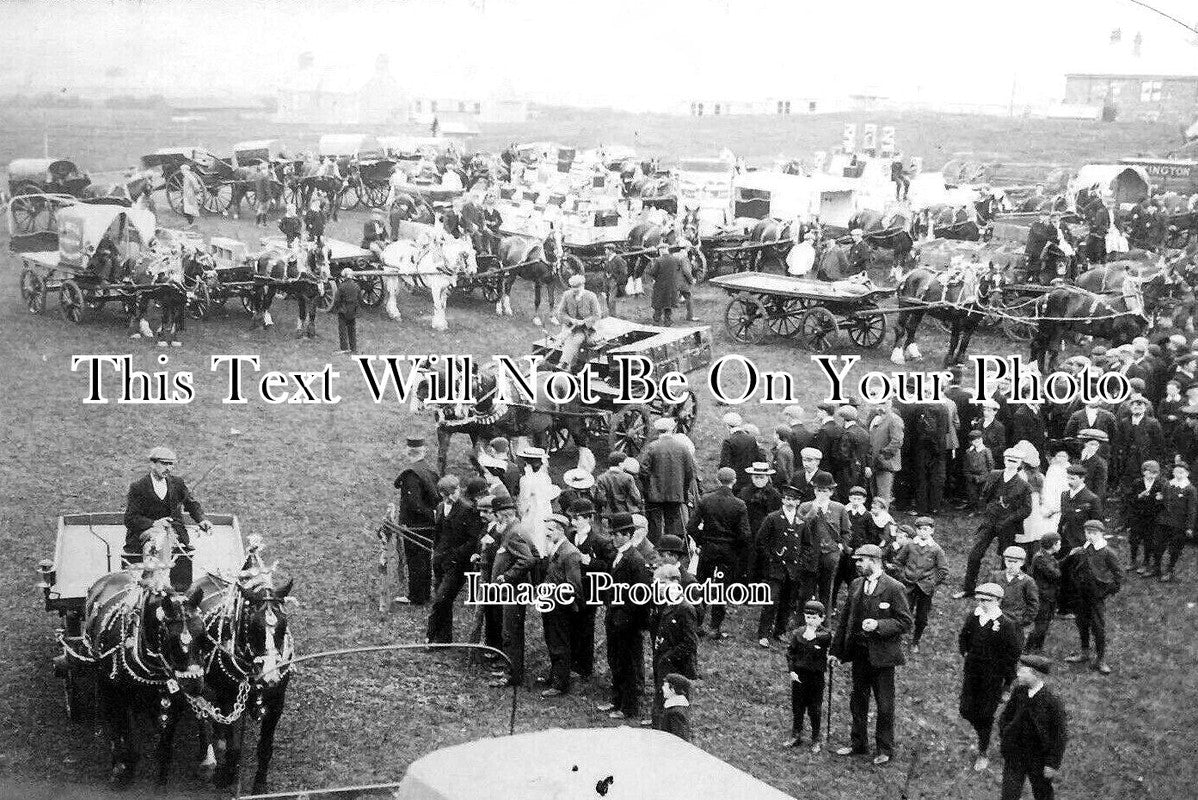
(1136,82)
(338,96)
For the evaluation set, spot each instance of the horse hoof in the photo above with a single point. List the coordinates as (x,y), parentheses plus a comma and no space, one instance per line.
(536,321)
(896,357)
(553,320)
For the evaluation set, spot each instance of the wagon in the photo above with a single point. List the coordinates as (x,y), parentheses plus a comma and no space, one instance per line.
(87,234)
(345,255)
(39,187)
(625,427)
(811,311)
(365,165)
(216,174)
(87,547)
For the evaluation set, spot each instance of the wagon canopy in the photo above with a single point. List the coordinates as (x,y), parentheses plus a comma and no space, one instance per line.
(247,154)
(81,227)
(1127,184)
(173,157)
(570,763)
(760,195)
(41,171)
(350,144)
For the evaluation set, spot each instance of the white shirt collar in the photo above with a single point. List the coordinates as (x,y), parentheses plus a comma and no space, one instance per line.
(1096,545)
(553,547)
(1032,691)
(159,485)
(676,700)
(985,619)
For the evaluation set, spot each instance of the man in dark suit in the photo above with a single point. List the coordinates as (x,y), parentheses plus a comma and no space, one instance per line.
(991,643)
(455,539)
(346,303)
(675,634)
(1139,439)
(720,525)
(1078,504)
(624,623)
(1092,417)
(669,469)
(417,485)
(514,562)
(596,552)
(967,412)
(869,635)
(155,504)
(779,544)
(562,567)
(1006,502)
(827,435)
(800,437)
(854,457)
(1039,234)
(829,529)
(1096,465)
(809,461)
(739,450)
(1032,730)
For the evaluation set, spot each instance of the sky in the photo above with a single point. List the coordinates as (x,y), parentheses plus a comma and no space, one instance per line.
(624,53)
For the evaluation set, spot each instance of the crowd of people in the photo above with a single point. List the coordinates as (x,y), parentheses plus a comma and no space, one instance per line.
(812,509)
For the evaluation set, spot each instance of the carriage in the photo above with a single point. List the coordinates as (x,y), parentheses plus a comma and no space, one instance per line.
(216,174)
(365,165)
(343,255)
(39,187)
(812,312)
(87,547)
(99,247)
(252,153)
(625,427)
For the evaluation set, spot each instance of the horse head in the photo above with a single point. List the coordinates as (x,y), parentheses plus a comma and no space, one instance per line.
(264,636)
(174,630)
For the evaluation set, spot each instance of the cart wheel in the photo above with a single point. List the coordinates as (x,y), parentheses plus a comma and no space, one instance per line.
(72,691)
(372,290)
(746,319)
(33,289)
(199,301)
(557,441)
(867,329)
(629,430)
(30,213)
(817,329)
(349,198)
(698,264)
(374,195)
(71,302)
(685,412)
(328,290)
(174,192)
(218,199)
(785,313)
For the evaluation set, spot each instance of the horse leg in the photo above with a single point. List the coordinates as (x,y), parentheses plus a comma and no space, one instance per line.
(954,340)
(912,349)
(115,715)
(444,437)
(208,734)
(970,326)
(301,312)
(536,302)
(168,721)
(311,332)
(231,736)
(440,292)
(266,738)
(552,299)
(391,284)
(268,297)
(900,328)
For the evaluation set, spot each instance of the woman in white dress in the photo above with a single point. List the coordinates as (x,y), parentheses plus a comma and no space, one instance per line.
(1046,498)
(537,494)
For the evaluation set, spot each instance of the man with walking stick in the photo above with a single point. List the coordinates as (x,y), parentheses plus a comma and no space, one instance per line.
(869,636)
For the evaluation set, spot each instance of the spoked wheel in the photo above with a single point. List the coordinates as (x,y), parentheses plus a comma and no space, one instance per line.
(867,329)
(199,301)
(218,199)
(746,319)
(818,329)
(685,412)
(629,429)
(328,291)
(71,302)
(372,290)
(374,195)
(349,198)
(31,213)
(557,440)
(785,313)
(174,192)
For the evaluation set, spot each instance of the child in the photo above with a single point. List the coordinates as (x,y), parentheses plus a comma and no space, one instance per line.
(1046,572)
(1168,412)
(1096,576)
(921,566)
(1021,598)
(676,715)
(1175,523)
(807,656)
(879,528)
(860,532)
(890,550)
(290,225)
(1142,503)
(979,462)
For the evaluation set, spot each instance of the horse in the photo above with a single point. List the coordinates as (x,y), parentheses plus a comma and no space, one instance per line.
(772,240)
(406,207)
(1068,309)
(280,268)
(956,297)
(606,283)
(947,222)
(249,671)
(432,263)
(144,640)
(1159,286)
(538,262)
(643,240)
(896,237)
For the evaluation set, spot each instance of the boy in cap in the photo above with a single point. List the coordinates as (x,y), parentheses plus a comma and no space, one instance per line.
(1175,523)
(1007,502)
(780,544)
(994,433)
(456,539)
(1032,732)
(991,643)
(674,627)
(809,464)
(615,490)
(1093,458)
(561,565)
(720,526)
(1021,598)
(978,462)
(921,566)
(1096,575)
(807,656)
(1046,572)
(1142,504)
(676,716)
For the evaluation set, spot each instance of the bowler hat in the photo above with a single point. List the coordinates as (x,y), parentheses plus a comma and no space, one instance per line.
(476,487)
(620,522)
(581,508)
(823,480)
(670,544)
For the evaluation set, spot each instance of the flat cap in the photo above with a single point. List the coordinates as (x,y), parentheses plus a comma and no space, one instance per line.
(1150,466)
(1015,551)
(504,503)
(163,454)
(664,424)
(532,452)
(810,452)
(415,441)
(1041,664)
(990,590)
(1095,434)
(925,522)
(847,412)
(858,490)
(823,480)
(732,418)
(631,466)
(868,551)
(1095,525)
(559,519)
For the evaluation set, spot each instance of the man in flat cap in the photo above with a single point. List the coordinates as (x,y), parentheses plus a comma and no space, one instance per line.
(1096,575)
(860,253)
(154,507)
(457,535)
(855,462)
(624,623)
(1033,731)
(1139,439)
(810,459)
(1089,418)
(869,635)
(595,554)
(1006,502)
(779,546)
(562,565)
(418,498)
(669,469)
(578,310)
(991,643)
(827,435)
(739,449)
(720,525)
(1095,446)
(514,562)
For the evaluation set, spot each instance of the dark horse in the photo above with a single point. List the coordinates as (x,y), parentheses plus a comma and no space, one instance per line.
(1163,291)
(1068,309)
(523,257)
(947,222)
(279,269)
(955,297)
(772,240)
(896,238)
(145,643)
(250,668)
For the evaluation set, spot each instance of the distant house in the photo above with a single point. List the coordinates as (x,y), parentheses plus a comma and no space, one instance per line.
(336,96)
(210,105)
(773,106)
(468,112)
(1135,86)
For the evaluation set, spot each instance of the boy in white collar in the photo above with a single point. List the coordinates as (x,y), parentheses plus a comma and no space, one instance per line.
(991,643)
(1096,576)
(921,566)
(676,704)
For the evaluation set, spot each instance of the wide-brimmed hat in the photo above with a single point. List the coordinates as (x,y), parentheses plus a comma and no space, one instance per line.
(760,468)
(532,452)
(578,478)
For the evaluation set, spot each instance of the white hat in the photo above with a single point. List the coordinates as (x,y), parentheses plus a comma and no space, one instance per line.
(578,479)
(733,419)
(578,280)
(532,452)
(664,424)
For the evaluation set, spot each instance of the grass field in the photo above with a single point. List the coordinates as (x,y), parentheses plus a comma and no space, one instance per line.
(312,480)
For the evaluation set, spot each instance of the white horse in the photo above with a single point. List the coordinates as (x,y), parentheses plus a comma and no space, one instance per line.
(436,266)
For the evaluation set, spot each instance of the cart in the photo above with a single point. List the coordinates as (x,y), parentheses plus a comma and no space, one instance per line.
(625,427)
(87,547)
(342,255)
(216,174)
(810,311)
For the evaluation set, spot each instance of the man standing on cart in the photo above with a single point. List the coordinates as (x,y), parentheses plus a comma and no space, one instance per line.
(153,509)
